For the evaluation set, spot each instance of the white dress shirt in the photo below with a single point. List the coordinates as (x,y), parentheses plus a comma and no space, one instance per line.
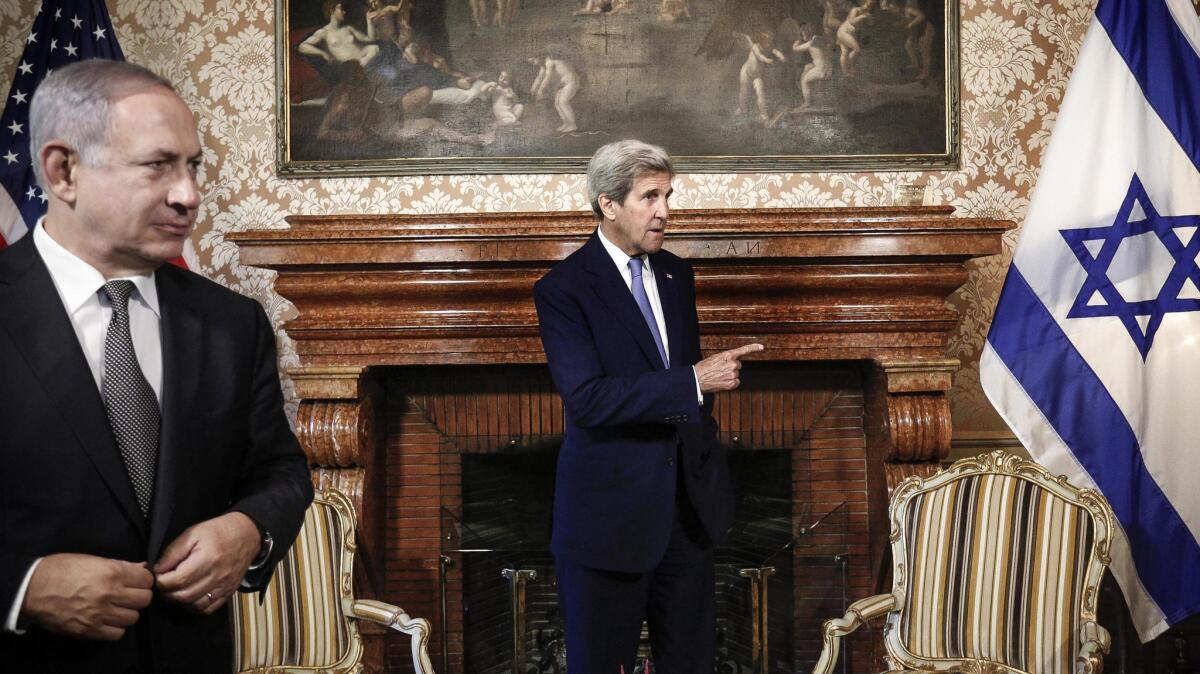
(78,284)
(620,259)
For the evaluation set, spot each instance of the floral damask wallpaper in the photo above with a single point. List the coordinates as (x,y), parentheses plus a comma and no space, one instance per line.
(1016,58)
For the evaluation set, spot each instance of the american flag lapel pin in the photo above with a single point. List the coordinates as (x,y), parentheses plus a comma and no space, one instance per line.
(669,276)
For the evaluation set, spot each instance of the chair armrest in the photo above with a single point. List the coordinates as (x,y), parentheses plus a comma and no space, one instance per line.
(395,618)
(858,613)
(1094,642)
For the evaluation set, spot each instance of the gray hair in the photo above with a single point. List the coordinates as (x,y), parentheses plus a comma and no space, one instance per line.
(615,166)
(74,104)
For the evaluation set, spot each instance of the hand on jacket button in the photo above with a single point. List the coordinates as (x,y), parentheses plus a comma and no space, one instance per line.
(204,566)
(87,597)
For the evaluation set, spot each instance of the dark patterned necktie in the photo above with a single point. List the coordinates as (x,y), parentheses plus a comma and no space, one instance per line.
(130,401)
(638,288)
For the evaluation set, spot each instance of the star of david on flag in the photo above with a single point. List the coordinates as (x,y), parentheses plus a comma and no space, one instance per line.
(1093,357)
(64,31)
(1148,252)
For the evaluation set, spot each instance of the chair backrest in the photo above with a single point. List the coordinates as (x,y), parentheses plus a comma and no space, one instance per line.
(300,621)
(997,563)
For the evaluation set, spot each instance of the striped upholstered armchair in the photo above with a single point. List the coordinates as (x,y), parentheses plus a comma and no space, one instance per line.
(306,621)
(996,569)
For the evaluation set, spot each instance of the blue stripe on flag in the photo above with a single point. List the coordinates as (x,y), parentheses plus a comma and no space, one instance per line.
(1083,413)
(1162,61)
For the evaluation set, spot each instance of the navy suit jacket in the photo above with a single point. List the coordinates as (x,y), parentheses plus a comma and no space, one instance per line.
(627,416)
(225,445)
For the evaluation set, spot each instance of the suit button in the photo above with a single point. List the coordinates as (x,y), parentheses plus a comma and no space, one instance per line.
(671,461)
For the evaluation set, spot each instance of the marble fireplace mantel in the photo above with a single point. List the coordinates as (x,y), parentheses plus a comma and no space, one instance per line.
(865,286)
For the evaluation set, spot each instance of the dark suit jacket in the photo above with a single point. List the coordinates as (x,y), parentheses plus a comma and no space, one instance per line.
(625,413)
(225,445)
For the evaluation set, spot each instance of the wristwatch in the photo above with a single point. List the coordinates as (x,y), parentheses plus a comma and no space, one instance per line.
(264,551)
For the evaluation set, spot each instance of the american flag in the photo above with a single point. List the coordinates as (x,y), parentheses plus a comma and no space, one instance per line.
(64,31)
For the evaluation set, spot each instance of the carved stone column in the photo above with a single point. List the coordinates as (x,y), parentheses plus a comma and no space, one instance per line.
(341,427)
(918,428)
(908,433)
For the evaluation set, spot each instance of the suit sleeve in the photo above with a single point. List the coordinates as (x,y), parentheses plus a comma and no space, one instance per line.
(592,396)
(275,487)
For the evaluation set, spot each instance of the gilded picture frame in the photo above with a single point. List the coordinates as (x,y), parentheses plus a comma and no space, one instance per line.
(414,87)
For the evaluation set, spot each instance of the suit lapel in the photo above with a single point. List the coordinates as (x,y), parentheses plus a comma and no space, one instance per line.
(612,290)
(38,324)
(668,296)
(183,349)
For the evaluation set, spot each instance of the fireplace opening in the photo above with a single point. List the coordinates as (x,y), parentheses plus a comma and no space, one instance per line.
(510,613)
(471,459)
(503,538)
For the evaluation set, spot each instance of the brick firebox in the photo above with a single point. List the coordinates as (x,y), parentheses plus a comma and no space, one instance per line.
(436,415)
(392,309)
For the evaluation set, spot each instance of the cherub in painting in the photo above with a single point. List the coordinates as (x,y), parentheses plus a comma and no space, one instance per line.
(848,38)
(819,48)
(750,78)
(556,74)
(919,44)
(505,107)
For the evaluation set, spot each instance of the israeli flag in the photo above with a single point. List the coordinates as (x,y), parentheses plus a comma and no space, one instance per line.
(1093,357)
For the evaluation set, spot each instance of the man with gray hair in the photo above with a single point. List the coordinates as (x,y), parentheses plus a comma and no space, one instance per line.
(149,470)
(642,490)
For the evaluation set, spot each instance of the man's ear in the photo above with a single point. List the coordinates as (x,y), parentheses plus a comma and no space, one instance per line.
(60,165)
(607,206)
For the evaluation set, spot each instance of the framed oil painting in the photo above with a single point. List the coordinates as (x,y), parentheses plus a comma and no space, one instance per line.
(395,87)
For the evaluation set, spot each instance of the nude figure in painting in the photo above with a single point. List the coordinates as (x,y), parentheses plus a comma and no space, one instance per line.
(554,73)
(848,38)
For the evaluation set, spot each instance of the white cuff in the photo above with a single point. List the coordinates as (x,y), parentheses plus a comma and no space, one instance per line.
(10,624)
(699,393)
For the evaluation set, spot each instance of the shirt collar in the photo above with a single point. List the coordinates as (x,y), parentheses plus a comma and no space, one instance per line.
(77,281)
(618,256)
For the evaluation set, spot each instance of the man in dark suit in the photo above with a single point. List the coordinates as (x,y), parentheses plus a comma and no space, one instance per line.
(147,470)
(642,488)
